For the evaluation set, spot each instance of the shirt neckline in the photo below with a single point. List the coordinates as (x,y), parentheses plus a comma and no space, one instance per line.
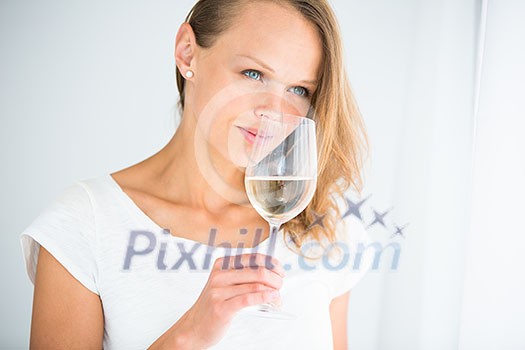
(144,217)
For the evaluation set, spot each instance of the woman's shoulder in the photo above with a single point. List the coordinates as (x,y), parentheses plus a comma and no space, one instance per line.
(67,228)
(101,193)
(75,207)
(95,187)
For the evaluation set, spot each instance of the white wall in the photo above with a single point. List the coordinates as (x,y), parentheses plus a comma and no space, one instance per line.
(88,88)
(412,66)
(493,309)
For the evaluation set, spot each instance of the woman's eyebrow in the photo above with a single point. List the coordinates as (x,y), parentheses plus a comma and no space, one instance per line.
(265,66)
(259,62)
(309,82)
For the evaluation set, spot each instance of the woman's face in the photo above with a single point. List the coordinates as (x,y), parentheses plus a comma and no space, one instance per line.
(267,63)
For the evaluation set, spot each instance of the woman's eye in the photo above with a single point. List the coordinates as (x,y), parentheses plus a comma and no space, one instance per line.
(252,74)
(300,91)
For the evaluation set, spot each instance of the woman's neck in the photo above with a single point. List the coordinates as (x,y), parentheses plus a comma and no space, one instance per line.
(194,174)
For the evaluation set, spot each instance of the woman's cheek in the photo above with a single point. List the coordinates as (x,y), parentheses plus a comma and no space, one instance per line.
(238,148)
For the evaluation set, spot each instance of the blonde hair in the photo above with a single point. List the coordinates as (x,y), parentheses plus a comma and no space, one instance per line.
(342,140)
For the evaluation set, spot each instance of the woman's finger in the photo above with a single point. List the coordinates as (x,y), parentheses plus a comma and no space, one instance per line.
(252,260)
(260,274)
(233,291)
(249,299)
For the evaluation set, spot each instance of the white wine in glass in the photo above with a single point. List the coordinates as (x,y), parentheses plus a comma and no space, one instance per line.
(281,178)
(280,198)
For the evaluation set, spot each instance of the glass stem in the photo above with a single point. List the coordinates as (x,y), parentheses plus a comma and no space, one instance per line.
(274,229)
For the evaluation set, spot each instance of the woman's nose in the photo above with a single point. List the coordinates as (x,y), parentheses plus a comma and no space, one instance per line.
(270,105)
(268,113)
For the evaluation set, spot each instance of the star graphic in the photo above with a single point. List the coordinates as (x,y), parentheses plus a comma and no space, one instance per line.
(318,221)
(378,218)
(399,231)
(353,208)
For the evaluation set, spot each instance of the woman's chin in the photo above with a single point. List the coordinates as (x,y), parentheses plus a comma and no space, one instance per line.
(240,161)
(239,153)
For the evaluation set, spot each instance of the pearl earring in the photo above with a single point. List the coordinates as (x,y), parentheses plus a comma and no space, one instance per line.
(189,74)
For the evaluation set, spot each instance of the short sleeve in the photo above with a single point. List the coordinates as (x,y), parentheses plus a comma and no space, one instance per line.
(353,259)
(66,229)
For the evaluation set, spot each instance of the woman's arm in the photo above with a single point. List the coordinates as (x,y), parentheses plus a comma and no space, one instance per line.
(339,316)
(66,315)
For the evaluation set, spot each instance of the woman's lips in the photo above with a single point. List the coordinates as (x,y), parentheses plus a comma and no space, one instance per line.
(250,134)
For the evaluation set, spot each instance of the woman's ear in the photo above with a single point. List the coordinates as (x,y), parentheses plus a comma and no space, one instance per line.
(185,47)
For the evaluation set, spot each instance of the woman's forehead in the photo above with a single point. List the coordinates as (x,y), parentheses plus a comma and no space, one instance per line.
(276,35)
(268,20)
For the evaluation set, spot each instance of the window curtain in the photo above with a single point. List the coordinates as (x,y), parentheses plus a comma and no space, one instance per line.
(440,86)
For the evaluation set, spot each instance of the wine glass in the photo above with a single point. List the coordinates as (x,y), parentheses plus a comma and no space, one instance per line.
(280,178)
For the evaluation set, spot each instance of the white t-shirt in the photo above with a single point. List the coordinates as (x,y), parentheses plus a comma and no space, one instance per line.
(147,279)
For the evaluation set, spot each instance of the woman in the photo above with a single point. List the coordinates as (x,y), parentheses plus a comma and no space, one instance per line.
(116,260)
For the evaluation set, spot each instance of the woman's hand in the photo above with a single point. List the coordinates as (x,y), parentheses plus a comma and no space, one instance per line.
(229,288)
